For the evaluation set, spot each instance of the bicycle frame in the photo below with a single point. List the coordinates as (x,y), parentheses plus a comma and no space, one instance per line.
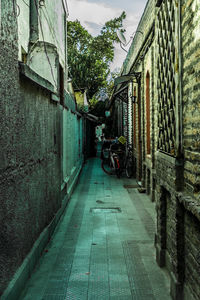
(111,162)
(118,160)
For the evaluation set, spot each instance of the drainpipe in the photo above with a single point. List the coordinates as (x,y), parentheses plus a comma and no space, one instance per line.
(34,29)
(180,80)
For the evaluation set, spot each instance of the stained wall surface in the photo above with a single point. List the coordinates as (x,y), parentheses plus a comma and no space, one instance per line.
(32,141)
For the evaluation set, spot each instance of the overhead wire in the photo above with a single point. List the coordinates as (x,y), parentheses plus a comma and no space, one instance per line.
(25,3)
(50,25)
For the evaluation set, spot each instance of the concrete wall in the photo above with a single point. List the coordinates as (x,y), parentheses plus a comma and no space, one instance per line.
(30,157)
(51,25)
(72,153)
(42,37)
(23,21)
(38,136)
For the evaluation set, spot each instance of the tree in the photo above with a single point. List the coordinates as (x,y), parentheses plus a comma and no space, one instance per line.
(89,57)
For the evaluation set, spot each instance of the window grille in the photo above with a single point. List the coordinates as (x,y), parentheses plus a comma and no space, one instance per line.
(167,67)
(125,120)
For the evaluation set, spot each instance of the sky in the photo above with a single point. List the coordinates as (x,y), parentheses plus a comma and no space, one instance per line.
(93,14)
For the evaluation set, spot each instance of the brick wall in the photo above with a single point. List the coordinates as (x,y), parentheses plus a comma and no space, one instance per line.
(177,179)
(191,94)
(191,142)
(192,256)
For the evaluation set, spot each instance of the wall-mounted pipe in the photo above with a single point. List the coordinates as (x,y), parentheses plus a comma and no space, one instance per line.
(180,77)
(34,22)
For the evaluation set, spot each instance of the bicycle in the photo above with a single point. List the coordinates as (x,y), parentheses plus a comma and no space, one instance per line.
(112,159)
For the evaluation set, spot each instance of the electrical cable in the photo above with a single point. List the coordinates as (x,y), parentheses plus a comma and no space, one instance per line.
(25,3)
(49,25)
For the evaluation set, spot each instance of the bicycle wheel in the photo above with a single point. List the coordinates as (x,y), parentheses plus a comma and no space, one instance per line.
(129,168)
(106,166)
(117,168)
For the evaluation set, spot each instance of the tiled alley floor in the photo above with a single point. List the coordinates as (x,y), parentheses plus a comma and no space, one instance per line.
(103,246)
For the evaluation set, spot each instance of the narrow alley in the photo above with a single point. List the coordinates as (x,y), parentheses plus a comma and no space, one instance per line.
(124,75)
(103,247)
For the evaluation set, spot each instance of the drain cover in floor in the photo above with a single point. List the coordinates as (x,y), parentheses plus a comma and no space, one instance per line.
(131,186)
(96,210)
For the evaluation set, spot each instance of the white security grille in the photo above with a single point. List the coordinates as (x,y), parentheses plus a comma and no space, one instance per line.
(130,113)
(125,120)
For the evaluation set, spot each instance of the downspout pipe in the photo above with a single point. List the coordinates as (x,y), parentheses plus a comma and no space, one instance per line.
(34,24)
(180,80)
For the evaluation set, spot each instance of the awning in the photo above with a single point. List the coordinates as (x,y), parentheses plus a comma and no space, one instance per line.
(121,94)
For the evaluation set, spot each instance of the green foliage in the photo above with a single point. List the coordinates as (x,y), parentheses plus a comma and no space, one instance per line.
(110,84)
(89,57)
(93,102)
(98,109)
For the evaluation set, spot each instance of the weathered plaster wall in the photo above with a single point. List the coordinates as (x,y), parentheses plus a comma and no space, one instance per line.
(49,45)
(30,157)
(23,26)
(31,173)
(41,144)
(72,146)
(51,25)
(53,29)
(30,169)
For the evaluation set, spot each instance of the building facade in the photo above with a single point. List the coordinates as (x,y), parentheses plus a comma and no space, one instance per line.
(164,63)
(40,128)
